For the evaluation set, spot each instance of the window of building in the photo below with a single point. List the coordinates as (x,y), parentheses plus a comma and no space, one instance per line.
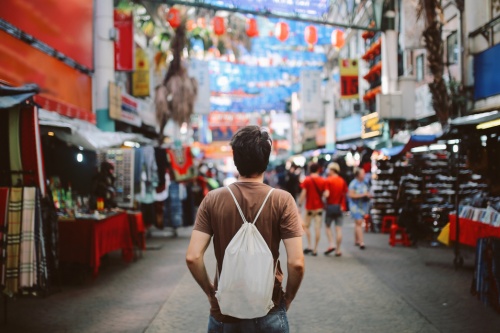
(420,67)
(452,48)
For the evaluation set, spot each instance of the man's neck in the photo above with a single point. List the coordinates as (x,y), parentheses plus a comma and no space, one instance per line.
(254,179)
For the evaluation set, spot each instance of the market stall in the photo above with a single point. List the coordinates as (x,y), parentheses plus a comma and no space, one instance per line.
(84,240)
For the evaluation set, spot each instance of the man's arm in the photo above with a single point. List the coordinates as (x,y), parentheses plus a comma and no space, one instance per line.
(194,259)
(295,267)
(302,197)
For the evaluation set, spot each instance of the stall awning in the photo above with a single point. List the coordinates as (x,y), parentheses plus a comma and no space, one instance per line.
(84,134)
(475,119)
(10,96)
(415,141)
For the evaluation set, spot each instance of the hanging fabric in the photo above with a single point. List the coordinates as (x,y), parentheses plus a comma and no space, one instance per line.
(13,241)
(19,133)
(4,208)
(181,161)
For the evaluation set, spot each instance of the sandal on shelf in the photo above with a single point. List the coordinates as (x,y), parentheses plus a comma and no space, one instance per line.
(329,250)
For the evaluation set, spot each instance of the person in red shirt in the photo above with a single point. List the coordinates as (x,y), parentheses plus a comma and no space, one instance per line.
(336,191)
(312,193)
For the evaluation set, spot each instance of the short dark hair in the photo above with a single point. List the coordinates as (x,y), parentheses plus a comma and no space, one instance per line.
(251,149)
(313,167)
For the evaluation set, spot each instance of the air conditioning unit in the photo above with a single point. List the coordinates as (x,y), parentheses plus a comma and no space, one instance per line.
(390,106)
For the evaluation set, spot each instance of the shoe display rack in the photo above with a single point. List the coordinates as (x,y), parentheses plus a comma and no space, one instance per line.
(385,190)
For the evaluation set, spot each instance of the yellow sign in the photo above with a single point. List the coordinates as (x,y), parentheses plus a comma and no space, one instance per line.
(348,78)
(115,101)
(140,77)
(371,126)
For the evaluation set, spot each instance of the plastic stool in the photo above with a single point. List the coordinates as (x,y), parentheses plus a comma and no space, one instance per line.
(368,223)
(394,239)
(387,223)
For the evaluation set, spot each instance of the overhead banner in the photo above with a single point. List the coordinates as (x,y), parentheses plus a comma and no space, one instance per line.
(198,69)
(349,78)
(124,45)
(311,101)
(140,77)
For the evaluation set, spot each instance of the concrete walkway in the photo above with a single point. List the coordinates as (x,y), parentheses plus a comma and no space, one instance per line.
(381,289)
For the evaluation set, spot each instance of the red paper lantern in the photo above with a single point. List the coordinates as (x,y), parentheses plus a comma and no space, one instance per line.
(311,35)
(281,31)
(174,17)
(338,38)
(219,28)
(252,29)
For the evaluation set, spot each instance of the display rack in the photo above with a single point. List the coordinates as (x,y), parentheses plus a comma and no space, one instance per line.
(123,161)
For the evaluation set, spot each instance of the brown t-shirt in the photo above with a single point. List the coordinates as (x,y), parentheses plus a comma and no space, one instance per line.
(219,217)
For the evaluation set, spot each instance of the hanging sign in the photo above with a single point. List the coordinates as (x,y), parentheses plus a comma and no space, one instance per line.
(198,69)
(311,101)
(115,101)
(348,78)
(371,126)
(124,45)
(140,77)
(130,110)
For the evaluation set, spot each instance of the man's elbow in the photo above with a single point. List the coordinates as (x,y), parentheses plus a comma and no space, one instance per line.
(192,259)
(297,265)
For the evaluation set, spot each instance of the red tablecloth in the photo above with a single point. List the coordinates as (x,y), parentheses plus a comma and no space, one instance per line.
(137,229)
(86,241)
(471,231)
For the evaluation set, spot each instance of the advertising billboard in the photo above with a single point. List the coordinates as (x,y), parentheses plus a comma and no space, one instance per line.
(67,26)
(20,63)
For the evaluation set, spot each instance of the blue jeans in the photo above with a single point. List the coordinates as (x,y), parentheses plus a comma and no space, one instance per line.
(274,322)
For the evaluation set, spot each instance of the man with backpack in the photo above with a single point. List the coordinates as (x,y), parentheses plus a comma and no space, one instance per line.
(248,220)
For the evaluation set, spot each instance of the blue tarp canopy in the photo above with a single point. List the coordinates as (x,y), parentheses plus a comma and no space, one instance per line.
(415,141)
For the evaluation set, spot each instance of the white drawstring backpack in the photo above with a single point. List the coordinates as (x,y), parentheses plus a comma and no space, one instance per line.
(246,281)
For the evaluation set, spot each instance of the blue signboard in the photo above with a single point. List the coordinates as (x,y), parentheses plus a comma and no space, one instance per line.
(349,128)
(486,69)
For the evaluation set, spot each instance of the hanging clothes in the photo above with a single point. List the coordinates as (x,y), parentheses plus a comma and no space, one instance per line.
(173,207)
(181,161)
(19,133)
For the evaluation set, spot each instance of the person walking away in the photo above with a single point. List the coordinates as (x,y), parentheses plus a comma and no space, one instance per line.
(336,191)
(292,181)
(359,204)
(219,217)
(312,193)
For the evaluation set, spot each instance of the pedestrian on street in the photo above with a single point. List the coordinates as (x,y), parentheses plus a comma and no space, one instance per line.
(336,191)
(313,188)
(359,195)
(219,217)
(292,181)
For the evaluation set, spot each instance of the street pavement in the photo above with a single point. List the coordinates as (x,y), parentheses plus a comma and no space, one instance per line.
(380,289)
